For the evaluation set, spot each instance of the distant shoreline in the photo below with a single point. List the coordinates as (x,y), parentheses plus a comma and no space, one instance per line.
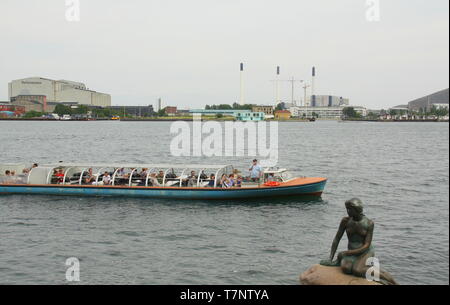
(218,119)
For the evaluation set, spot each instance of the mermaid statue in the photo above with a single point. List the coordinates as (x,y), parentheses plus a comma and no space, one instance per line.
(359,231)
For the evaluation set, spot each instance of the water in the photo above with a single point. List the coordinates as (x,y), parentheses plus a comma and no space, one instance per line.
(399,170)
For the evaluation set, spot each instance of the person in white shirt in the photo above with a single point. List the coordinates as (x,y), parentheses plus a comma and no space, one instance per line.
(255,171)
(106,179)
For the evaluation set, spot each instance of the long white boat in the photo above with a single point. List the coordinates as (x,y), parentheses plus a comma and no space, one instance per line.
(152,181)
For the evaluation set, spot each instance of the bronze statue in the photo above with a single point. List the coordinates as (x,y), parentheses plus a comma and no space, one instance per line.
(359,231)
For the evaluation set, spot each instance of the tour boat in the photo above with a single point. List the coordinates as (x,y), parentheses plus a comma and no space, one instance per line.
(153,181)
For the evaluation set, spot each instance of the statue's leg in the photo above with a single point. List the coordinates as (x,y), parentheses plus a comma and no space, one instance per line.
(347,264)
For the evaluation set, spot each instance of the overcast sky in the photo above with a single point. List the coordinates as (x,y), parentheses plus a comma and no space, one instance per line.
(188,52)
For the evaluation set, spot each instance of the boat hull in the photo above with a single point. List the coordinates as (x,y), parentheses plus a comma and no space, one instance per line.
(295,188)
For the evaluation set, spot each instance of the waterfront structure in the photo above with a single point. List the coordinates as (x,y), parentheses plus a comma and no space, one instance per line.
(328,101)
(137,111)
(8,110)
(171,111)
(213,112)
(56,91)
(282,115)
(250,116)
(324,112)
(268,110)
(439,99)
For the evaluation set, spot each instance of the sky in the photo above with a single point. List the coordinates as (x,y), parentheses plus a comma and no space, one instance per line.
(188,52)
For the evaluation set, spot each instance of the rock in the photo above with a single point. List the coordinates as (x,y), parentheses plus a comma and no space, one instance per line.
(322,275)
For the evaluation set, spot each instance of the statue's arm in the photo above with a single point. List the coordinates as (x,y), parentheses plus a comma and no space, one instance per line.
(367,243)
(338,237)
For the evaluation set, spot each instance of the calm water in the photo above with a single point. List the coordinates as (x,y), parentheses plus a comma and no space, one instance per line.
(399,170)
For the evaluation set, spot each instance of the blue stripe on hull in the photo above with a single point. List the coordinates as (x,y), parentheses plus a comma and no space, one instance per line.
(167,193)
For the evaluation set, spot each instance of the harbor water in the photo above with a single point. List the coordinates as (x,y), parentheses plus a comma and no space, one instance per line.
(399,170)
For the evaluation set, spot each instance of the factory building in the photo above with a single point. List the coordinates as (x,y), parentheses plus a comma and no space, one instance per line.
(438,100)
(328,101)
(324,112)
(136,111)
(56,91)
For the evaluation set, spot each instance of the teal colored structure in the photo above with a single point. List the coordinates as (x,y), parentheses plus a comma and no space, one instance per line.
(250,116)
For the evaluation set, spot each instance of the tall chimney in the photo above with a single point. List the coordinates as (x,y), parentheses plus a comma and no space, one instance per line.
(277,86)
(313,93)
(241,97)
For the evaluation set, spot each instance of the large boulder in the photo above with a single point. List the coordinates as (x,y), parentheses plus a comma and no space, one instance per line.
(322,275)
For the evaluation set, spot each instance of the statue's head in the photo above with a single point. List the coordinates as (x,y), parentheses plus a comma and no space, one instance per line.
(354,207)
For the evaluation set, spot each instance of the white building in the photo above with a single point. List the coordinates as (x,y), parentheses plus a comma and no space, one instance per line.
(58,91)
(327,101)
(324,112)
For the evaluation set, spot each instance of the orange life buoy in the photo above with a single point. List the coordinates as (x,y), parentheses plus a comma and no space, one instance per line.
(272,183)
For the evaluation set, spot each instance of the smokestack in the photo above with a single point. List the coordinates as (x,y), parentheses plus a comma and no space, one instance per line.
(277,87)
(241,98)
(313,93)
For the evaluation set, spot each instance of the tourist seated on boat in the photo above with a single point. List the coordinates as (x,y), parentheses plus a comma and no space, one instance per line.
(212,179)
(160,177)
(59,175)
(225,181)
(239,181)
(23,178)
(89,178)
(232,180)
(143,174)
(7,179)
(106,178)
(152,180)
(191,179)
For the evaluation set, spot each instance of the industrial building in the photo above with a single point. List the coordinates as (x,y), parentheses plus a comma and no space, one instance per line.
(324,112)
(438,100)
(137,111)
(328,101)
(43,90)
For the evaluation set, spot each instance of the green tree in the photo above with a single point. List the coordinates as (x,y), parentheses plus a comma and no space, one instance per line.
(349,112)
(61,110)
(33,114)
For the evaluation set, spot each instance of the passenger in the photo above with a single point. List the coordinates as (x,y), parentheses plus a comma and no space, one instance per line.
(60,175)
(106,178)
(35,165)
(8,178)
(212,180)
(225,181)
(192,179)
(121,172)
(232,180)
(90,178)
(153,181)
(239,181)
(144,173)
(255,171)
(23,177)
(271,177)
(160,177)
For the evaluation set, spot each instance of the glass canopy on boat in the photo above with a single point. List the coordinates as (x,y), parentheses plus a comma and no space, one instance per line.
(122,174)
